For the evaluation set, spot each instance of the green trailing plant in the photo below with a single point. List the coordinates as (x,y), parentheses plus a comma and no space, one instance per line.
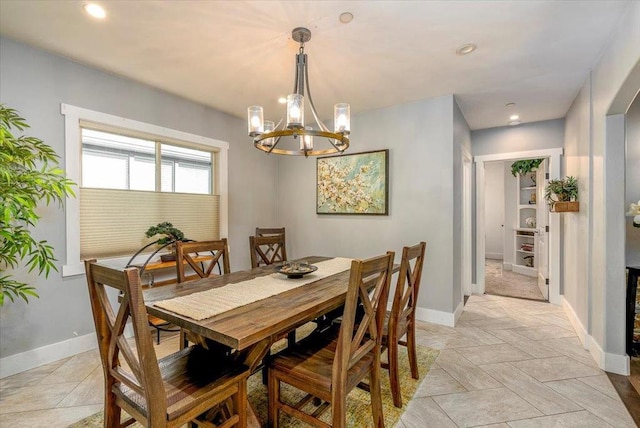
(525,166)
(29,175)
(561,190)
(171,234)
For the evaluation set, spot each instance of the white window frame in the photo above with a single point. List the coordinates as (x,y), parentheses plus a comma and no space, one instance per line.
(73,151)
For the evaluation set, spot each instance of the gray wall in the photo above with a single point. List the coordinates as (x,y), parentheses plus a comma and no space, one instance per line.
(461,141)
(594,273)
(419,137)
(632,180)
(546,134)
(36,83)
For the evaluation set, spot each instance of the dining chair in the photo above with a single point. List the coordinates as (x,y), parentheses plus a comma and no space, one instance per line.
(328,365)
(267,250)
(271,231)
(201,257)
(400,321)
(163,393)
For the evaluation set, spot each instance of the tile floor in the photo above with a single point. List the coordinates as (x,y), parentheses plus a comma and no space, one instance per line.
(502,282)
(508,363)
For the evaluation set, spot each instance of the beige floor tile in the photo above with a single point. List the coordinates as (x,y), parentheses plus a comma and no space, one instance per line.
(89,391)
(491,354)
(536,393)
(531,347)
(571,347)
(556,368)
(34,397)
(545,332)
(603,406)
(600,383)
(500,425)
(438,382)
(485,407)
(470,376)
(437,342)
(582,419)
(49,418)
(494,323)
(31,377)
(421,410)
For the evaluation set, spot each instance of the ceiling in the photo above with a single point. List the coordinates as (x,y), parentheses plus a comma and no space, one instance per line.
(232,54)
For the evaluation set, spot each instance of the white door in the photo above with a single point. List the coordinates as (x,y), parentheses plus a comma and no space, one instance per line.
(542,222)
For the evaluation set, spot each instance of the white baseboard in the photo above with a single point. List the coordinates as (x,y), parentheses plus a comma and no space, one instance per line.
(47,354)
(507,266)
(438,317)
(494,256)
(614,363)
(33,358)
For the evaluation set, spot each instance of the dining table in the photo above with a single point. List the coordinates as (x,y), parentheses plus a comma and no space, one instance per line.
(251,329)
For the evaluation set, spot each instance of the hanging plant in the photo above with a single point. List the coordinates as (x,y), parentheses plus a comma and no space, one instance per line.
(523,167)
(29,175)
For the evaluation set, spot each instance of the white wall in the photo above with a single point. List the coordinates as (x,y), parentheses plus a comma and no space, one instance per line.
(614,82)
(494,210)
(419,137)
(632,188)
(35,83)
(510,214)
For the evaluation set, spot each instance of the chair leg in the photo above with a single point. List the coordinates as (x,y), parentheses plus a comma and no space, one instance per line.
(241,403)
(291,338)
(376,393)
(265,370)
(112,412)
(184,342)
(411,350)
(273,412)
(394,380)
(158,336)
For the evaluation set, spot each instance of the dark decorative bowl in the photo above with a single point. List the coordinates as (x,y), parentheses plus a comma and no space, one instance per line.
(296,271)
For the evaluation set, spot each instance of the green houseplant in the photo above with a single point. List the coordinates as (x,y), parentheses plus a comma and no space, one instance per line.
(171,235)
(29,175)
(562,194)
(523,167)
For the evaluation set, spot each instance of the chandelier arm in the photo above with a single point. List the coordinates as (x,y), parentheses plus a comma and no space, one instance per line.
(313,107)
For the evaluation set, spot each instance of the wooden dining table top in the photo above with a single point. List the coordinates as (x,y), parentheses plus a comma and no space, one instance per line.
(262,321)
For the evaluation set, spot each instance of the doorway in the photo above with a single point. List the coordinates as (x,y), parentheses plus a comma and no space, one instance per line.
(515,215)
(551,240)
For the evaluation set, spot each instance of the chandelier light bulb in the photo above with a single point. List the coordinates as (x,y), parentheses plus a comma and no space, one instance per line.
(341,118)
(306,142)
(255,120)
(269,126)
(295,111)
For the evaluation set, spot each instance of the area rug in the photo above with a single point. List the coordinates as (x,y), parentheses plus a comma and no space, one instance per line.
(358,402)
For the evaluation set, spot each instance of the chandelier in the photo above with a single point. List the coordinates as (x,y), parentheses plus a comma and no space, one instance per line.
(266,134)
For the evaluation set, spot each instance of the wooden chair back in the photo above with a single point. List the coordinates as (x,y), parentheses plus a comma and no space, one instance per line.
(143,373)
(267,250)
(369,288)
(406,294)
(187,253)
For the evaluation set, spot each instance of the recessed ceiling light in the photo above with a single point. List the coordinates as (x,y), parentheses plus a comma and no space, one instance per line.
(510,105)
(515,122)
(346,17)
(282,100)
(95,10)
(514,117)
(466,49)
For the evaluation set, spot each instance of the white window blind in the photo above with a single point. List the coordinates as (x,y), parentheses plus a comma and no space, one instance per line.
(113,222)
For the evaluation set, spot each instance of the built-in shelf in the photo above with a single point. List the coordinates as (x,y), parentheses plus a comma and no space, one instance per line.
(523,234)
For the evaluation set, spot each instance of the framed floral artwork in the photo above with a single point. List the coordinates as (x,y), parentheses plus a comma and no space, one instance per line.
(353,184)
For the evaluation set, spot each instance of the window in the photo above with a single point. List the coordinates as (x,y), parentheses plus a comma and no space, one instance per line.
(133,175)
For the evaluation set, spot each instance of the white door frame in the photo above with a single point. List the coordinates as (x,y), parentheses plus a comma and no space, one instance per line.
(467,218)
(554,221)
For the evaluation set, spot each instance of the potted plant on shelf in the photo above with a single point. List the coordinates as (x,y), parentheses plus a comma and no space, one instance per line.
(634,211)
(171,235)
(562,194)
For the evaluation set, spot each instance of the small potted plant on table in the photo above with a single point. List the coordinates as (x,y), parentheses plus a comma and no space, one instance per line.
(171,235)
(562,195)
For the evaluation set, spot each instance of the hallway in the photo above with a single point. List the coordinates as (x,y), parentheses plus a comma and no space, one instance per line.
(502,282)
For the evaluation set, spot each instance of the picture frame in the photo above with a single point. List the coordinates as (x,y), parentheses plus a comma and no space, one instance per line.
(353,184)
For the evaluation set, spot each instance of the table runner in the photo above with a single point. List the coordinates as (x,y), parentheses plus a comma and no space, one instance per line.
(206,304)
